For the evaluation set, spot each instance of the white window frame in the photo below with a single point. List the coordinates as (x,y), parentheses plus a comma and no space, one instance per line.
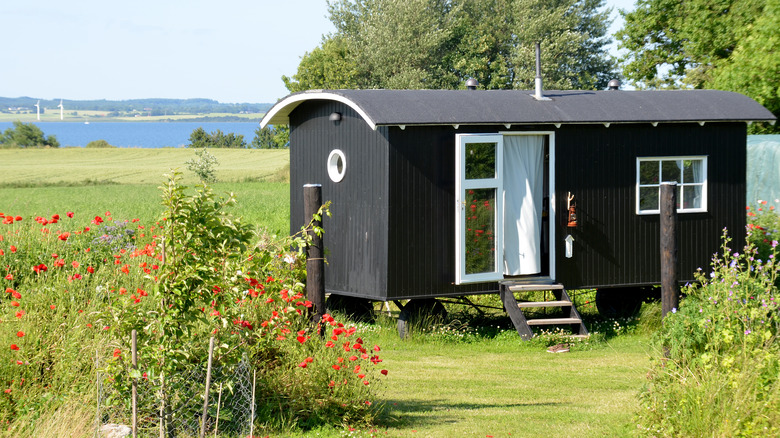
(683,184)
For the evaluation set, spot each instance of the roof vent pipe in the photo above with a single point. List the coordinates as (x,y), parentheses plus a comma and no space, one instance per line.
(614,84)
(538,81)
(471,84)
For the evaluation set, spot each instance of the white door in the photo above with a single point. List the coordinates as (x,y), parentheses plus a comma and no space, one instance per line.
(479,208)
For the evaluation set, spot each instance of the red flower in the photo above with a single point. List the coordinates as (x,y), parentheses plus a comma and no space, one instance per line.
(353,358)
(90,269)
(15,303)
(336,367)
(117,352)
(20,314)
(13,248)
(384,372)
(64,236)
(53,307)
(98,220)
(376,348)
(9,277)
(302,364)
(20,334)
(14,347)
(70,214)
(301,339)
(18,218)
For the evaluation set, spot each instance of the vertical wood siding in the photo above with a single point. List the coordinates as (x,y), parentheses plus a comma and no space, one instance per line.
(615,246)
(356,233)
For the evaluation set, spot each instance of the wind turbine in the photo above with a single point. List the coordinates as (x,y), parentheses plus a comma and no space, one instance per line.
(62,109)
(38,108)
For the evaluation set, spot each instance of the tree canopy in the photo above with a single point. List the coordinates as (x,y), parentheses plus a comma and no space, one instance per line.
(199,138)
(434,44)
(723,44)
(27,135)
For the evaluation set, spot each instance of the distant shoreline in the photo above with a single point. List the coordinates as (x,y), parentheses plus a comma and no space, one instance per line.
(99,118)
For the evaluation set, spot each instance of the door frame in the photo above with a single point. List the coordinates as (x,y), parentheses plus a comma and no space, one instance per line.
(460,276)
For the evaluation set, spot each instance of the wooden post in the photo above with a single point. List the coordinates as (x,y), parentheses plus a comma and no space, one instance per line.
(315,259)
(669,274)
(252,417)
(206,395)
(135,383)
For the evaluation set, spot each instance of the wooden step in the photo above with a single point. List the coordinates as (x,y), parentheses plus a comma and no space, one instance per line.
(544,304)
(554,321)
(533,287)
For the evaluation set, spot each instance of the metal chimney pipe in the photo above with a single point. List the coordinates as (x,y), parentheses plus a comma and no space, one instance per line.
(538,80)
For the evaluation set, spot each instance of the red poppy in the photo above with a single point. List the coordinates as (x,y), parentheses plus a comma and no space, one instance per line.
(90,269)
(18,218)
(301,339)
(384,372)
(303,364)
(69,214)
(353,358)
(336,367)
(376,348)
(20,314)
(53,307)
(14,347)
(13,248)
(98,220)
(9,276)
(64,236)
(117,352)
(15,303)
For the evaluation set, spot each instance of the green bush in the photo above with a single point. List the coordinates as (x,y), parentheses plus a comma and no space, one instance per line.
(26,135)
(717,367)
(99,144)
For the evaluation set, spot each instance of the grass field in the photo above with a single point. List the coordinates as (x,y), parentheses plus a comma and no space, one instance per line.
(125,182)
(98,116)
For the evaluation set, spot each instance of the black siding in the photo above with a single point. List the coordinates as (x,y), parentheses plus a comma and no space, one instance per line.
(356,233)
(612,244)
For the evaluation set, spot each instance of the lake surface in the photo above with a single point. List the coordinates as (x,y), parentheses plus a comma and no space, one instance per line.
(136,134)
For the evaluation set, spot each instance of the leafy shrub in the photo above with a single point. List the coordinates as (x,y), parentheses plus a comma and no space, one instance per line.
(717,367)
(26,135)
(199,138)
(763,226)
(99,144)
(204,165)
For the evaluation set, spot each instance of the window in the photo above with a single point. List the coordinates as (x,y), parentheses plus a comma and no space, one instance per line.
(690,174)
(337,165)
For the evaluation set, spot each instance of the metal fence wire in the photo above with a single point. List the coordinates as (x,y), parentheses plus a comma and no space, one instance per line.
(176,409)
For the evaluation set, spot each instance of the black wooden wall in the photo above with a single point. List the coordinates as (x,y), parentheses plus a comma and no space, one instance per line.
(613,245)
(356,237)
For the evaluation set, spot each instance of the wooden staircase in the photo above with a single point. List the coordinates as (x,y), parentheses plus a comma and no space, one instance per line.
(523,324)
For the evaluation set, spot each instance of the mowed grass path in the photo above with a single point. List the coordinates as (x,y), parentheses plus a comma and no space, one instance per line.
(502,389)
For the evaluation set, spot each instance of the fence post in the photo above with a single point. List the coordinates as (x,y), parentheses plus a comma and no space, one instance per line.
(315,259)
(206,395)
(135,383)
(669,222)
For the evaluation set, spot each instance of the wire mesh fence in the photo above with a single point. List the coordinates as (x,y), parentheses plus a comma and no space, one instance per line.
(174,407)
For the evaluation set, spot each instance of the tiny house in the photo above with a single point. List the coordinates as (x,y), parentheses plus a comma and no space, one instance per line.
(448,193)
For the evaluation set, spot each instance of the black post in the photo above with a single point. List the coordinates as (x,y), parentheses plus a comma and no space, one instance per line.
(315,260)
(669,274)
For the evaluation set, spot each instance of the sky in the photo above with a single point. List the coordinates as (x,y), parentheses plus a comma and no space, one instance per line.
(232,51)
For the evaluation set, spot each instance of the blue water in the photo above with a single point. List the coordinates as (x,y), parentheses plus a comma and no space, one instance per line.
(136,134)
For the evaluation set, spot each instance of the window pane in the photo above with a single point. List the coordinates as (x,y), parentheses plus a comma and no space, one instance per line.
(480,160)
(692,196)
(670,171)
(480,231)
(648,198)
(648,172)
(693,171)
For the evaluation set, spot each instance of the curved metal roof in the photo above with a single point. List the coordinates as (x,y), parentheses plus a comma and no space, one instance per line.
(515,107)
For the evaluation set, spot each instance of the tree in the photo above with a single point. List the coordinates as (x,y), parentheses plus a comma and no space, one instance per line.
(271,137)
(217,139)
(27,135)
(753,70)
(440,43)
(678,43)
(725,44)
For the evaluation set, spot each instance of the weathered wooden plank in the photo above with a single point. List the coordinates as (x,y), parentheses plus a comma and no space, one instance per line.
(544,304)
(533,287)
(554,321)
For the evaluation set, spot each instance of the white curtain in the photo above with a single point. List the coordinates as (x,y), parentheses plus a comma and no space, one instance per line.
(523,191)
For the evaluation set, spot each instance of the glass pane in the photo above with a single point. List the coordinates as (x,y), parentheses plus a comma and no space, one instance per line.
(648,172)
(692,171)
(670,171)
(480,230)
(648,198)
(480,160)
(692,196)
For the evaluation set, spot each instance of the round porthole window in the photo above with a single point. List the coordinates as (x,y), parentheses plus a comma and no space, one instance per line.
(337,165)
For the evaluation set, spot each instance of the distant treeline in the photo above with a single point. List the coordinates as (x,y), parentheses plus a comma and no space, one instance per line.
(148,106)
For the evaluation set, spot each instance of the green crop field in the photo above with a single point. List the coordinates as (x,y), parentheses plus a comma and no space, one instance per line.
(125,182)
